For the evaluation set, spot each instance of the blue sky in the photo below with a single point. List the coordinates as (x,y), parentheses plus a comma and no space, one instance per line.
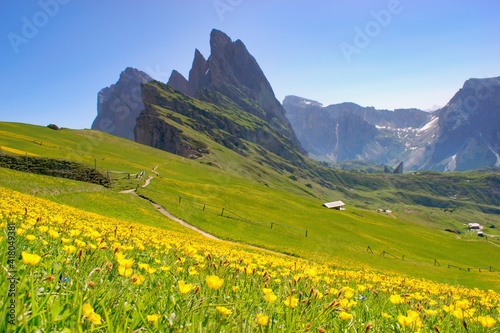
(57,54)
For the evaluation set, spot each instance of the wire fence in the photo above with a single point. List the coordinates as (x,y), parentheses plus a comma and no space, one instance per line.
(387,255)
(223,212)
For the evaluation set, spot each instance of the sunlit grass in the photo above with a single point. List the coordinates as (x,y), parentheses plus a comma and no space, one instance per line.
(79,272)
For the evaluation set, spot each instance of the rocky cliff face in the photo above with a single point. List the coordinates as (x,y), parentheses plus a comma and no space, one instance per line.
(231,72)
(348,131)
(169,114)
(469,128)
(119,104)
(462,135)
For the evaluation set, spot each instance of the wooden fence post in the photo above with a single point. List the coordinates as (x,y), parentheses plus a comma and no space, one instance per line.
(306,232)
(222,213)
(180,198)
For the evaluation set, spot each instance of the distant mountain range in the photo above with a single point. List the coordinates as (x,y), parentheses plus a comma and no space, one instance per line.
(228,99)
(463,135)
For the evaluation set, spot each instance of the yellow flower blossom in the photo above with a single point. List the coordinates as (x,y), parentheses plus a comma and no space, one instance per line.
(345,316)
(127,263)
(396,299)
(262,319)
(412,319)
(214,282)
(79,243)
(30,237)
(291,302)
(153,318)
(43,228)
(223,310)
(88,312)
(137,279)
(270,297)
(184,288)
(386,315)
(69,249)
(75,232)
(53,234)
(431,312)
(486,321)
(125,271)
(30,259)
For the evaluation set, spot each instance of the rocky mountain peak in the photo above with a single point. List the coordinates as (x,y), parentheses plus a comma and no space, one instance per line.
(179,82)
(131,75)
(463,135)
(119,104)
(300,101)
(233,72)
(198,72)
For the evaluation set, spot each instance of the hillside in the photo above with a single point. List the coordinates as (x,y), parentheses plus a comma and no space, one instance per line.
(237,198)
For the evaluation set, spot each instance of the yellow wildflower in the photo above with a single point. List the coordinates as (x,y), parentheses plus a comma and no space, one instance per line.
(53,234)
(431,312)
(396,299)
(30,259)
(153,318)
(127,263)
(345,316)
(184,288)
(486,321)
(223,310)
(88,311)
(80,243)
(291,301)
(270,297)
(412,319)
(125,271)
(214,282)
(69,249)
(386,315)
(74,232)
(137,279)
(262,319)
(30,237)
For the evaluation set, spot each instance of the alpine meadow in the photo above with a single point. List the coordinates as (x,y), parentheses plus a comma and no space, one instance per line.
(202,203)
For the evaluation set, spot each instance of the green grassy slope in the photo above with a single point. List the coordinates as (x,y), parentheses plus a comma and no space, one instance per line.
(255,196)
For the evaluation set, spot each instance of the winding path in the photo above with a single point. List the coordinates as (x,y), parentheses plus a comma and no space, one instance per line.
(187,225)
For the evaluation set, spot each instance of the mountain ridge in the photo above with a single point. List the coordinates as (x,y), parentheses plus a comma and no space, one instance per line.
(462,135)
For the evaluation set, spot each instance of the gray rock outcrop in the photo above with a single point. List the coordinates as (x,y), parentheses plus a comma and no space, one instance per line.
(119,105)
